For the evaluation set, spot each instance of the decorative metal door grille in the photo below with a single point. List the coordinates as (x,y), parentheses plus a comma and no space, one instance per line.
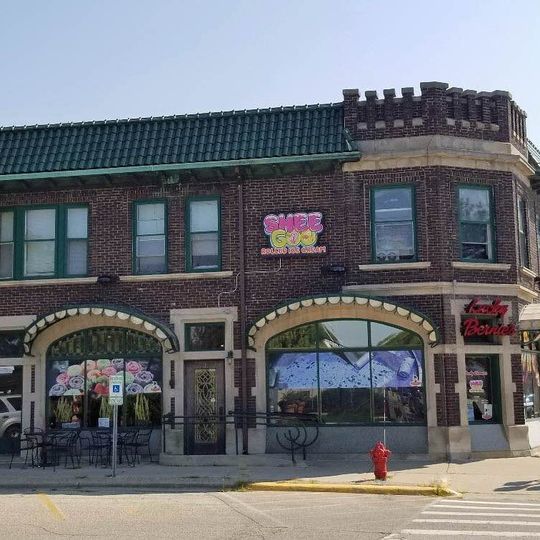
(206,405)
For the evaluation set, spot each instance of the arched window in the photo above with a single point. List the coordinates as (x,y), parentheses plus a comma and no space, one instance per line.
(347,371)
(80,365)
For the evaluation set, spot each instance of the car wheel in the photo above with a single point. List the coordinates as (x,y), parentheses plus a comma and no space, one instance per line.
(13,432)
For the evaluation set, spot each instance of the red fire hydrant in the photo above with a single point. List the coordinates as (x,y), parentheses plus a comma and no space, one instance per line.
(379,455)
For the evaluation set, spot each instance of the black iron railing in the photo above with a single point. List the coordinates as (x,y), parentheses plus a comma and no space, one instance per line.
(294,433)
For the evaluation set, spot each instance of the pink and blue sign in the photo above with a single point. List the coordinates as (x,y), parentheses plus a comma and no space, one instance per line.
(293,234)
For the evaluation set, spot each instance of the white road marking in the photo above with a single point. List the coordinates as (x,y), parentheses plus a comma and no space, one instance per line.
(489,534)
(479,514)
(481,522)
(487,502)
(493,507)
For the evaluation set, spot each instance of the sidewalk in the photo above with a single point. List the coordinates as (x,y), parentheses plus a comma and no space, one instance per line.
(489,476)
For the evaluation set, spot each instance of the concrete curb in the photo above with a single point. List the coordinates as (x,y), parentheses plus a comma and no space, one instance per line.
(439,491)
(121,484)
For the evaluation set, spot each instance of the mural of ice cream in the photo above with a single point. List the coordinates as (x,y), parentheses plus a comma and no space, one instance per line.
(118,363)
(103,363)
(57,390)
(134,388)
(143,377)
(76,382)
(109,371)
(75,370)
(93,374)
(62,378)
(90,365)
(73,392)
(133,366)
(152,388)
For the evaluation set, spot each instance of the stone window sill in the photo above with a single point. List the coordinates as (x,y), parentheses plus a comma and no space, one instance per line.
(527,272)
(394,266)
(495,267)
(132,278)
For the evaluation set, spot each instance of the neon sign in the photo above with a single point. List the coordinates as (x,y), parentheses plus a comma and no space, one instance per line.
(293,234)
(474,327)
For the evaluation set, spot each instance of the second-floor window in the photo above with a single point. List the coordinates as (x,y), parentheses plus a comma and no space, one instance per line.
(523,234)
(393,224)
(476,224)
(203,249)
(150,242)
(43,242)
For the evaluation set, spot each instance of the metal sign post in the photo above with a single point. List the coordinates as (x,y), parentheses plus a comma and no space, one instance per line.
(114,439)
(116,397)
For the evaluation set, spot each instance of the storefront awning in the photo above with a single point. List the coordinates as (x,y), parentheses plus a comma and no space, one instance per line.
(424,324)
(159,330)
(529,318)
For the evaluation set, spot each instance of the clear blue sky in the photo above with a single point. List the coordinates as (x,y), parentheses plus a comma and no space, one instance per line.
(67,60)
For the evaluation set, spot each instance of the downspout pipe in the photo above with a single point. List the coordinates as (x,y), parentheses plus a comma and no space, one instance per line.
(242,317)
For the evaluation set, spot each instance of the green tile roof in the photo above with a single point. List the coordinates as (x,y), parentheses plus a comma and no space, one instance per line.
(284,132)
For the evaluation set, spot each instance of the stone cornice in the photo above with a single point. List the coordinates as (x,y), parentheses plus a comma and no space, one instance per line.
(429,288)
(440,151)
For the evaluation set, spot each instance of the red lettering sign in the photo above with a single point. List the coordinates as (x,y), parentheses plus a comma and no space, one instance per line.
(473,327)
(495,308)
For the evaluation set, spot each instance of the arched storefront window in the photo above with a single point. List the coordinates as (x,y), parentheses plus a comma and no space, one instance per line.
(347,371)
(78,370)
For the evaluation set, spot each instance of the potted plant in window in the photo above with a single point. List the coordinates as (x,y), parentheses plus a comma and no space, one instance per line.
(62,411)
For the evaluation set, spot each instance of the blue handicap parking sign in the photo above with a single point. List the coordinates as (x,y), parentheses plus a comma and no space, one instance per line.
(116,388)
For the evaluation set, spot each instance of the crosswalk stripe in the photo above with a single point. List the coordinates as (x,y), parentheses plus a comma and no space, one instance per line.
(445,513)
(498,503)
(494,507)
(480,522)
(453,532)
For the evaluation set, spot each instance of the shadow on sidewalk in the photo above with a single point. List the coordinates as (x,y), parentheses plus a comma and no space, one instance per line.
(524,485)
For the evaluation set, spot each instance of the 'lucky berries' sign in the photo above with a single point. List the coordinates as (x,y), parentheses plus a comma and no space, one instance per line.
(293,234)
(472,326)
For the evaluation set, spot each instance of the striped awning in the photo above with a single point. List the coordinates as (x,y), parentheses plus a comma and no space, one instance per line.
(424,323)
(529,317)
(158,329)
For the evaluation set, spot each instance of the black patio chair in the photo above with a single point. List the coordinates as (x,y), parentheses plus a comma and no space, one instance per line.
(127,446)
(65,443)
(32,440)
(22,444)
(141,441)
(99,448)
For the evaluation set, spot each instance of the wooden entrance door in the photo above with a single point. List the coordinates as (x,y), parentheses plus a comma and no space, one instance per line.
(204,392)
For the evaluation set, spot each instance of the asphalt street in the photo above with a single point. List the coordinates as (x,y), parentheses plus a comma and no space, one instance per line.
(246,515)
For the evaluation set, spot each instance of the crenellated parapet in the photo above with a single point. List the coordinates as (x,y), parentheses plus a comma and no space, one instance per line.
(437,110)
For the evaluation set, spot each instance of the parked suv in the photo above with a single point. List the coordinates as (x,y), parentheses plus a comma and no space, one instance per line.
(10,415)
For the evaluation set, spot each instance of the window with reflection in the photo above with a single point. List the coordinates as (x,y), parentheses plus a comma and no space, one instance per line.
(347,371)
(393,224)
(476,223)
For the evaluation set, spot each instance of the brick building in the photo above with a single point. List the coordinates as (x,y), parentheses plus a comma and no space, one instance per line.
(364,263)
